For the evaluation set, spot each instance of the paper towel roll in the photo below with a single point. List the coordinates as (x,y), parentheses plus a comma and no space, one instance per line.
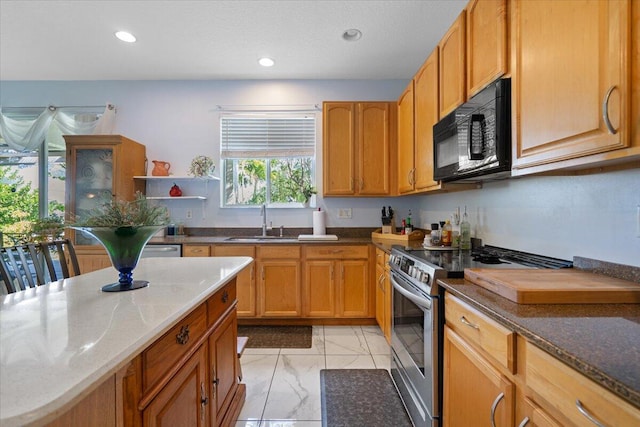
(319,228)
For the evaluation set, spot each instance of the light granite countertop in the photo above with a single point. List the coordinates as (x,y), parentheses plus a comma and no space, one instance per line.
(59,340)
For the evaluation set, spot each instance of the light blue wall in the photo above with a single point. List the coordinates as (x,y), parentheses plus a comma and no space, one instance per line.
(593,216)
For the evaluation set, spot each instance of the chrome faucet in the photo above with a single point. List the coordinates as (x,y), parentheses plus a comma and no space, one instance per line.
(263,212)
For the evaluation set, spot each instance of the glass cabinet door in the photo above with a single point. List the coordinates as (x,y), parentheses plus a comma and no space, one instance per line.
(93,172)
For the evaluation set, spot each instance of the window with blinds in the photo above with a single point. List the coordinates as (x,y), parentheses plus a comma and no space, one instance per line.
(267,158)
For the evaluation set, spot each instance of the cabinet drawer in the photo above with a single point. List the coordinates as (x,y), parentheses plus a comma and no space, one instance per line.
(563,387)
(195,250)
(163,354)
(278,251)
(496,340)
(337,252)
(221,301)
(234,250)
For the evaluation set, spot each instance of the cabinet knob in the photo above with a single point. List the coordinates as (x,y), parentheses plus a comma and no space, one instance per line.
(182,337)
(225,296)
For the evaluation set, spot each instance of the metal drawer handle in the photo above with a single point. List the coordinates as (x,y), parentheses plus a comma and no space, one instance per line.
(524,422)
(182,337)
(466,322)
(493,409)
(204,400)
(586,413)
(605,111)
(225,296)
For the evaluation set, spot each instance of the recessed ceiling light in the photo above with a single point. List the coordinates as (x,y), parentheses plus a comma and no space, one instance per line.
(352,35)
(125,36)
(266,62)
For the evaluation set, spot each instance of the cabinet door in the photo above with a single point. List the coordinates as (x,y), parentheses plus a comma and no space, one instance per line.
(534,416)
(338,148)
(427,115)
(279,288)
(486,43)
(374,147)
(406,140)
(571,65)
(183,401)
(223,358)
(245,280)
(89,182)
(353,289)
(452,67)
(380,297)
(475,393)
(319,288)
(388,293)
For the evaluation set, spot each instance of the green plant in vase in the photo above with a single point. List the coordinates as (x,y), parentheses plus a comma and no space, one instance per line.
(124,228)
(307,192)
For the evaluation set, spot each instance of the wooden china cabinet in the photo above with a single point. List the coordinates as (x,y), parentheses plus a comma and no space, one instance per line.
(99,168)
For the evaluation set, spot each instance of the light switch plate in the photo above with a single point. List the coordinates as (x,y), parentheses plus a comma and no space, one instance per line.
(344,213)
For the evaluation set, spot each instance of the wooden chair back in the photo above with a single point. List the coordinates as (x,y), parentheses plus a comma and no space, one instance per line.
(20,268)
(34,264)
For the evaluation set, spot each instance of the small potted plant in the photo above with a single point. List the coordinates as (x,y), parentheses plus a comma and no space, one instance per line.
(307,191)
(202,166)
(124,228)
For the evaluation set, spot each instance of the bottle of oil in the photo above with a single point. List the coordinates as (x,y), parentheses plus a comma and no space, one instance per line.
(465,232)
(446,234)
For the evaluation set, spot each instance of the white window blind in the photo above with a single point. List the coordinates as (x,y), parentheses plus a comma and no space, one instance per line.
(271,136)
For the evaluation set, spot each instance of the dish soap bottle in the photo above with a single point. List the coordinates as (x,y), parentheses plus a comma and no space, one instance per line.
(465,232)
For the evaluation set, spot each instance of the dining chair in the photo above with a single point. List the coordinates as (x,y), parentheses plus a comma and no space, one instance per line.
(58,256)
(18,270)
(34,264)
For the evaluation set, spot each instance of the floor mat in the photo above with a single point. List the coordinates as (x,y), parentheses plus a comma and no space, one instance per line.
(361,398)
(276,336)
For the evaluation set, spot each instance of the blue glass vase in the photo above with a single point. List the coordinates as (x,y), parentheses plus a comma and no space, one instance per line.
(124,246)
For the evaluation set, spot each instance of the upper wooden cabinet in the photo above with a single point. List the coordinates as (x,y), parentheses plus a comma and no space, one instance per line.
(426,115)
(486,47)
(99,168)
(571,82)
(452,67)
(357,141)
(406,137)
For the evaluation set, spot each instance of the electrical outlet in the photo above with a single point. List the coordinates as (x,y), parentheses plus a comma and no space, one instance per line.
(189,214)
(344,213)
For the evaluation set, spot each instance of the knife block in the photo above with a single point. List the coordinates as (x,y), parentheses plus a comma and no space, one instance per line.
(389,228)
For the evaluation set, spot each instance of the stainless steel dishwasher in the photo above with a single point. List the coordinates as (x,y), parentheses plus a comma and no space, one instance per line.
(161,251)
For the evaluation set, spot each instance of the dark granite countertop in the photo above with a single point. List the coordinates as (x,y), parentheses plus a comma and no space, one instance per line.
(602,341)
(220,235)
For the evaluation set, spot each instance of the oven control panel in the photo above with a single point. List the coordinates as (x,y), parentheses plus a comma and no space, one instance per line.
(417,270)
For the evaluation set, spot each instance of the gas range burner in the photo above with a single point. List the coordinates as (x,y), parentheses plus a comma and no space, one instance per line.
(488,259)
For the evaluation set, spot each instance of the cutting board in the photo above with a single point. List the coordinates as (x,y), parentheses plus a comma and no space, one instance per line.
(564,286)
(317,237)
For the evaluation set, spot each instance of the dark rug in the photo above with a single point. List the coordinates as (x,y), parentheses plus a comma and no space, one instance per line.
(276,336)
(361,398)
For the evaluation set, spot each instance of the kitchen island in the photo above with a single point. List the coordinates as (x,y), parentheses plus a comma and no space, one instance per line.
(62,343)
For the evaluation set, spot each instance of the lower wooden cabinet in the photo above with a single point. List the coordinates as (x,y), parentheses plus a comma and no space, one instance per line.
(383,293)
(246,279)
(278,269)
(184,401)
(337,281)
(482,387)
(475,393)
(224,373)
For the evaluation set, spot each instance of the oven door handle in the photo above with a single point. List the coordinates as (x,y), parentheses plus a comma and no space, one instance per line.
(421,302)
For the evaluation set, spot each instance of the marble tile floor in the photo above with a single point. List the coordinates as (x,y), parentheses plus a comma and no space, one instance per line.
(283,384)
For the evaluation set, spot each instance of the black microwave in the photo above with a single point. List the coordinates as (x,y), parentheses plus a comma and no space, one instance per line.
(473,143)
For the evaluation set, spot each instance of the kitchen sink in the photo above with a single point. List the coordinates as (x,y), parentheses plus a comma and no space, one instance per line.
(260,239)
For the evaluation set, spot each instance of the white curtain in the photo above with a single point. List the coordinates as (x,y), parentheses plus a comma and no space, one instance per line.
(27,135)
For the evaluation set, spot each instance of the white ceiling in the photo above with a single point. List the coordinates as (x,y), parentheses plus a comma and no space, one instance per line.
(215,39)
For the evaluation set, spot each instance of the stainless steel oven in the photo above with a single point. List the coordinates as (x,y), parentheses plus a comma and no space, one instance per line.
(418,316)
(416,338)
